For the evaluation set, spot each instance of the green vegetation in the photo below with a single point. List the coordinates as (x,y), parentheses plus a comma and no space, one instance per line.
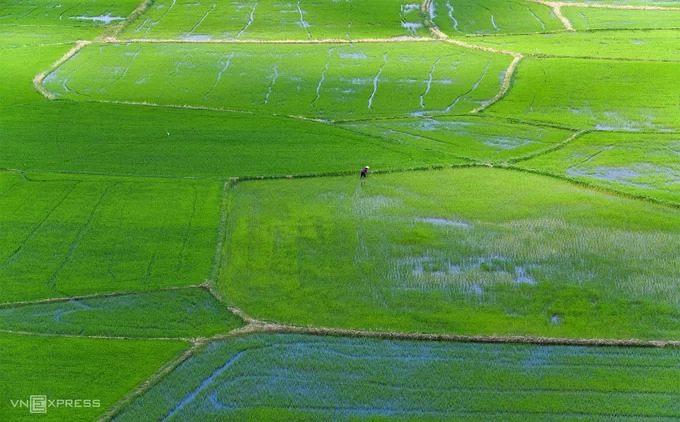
(150,175)
(474,251)
(641,164)
(75,369)
(326,81)
(117,139)
(639,45)
(314,378)
(474,138)
(68,235)
(583,18)
(268,19)
(176,313)
(597,94)
(493,17)
(37,22)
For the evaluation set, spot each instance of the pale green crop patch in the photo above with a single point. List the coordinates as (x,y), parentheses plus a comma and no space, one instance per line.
(327,378)
(584,18)
(653,46)
(638,163)
(99,371)
(492,17)
(460,251)
(594,94)
(322,81)
(473,138)
(270,19)
(186,313)
(69,235)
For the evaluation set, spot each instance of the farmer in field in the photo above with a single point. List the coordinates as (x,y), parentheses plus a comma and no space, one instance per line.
(364,172)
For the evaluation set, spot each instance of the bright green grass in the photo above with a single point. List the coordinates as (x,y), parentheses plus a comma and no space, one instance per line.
(185,313)
(273,19)
(324,81)
(68,235)
(493,17)
(470,137)
(134,140)
(669,3)
(71,368)
(473,251)
(595,18)
(18,67)
(37,22)
(325,378)
(640,164)
(599,94)
(634,44)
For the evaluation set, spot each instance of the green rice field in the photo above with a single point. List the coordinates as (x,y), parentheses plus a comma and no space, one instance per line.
(312,378)
(322,81)
(268,19)
(186,235)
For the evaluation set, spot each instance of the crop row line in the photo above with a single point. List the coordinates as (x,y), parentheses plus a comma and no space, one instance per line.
(552,148)
(97,296)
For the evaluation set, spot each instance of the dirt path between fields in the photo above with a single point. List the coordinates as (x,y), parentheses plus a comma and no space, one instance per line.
(255,326)
(40,77)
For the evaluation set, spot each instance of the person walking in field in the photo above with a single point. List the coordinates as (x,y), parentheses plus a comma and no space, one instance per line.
(364,172)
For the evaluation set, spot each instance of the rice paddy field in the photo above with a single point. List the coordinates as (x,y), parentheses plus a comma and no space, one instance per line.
(186,236)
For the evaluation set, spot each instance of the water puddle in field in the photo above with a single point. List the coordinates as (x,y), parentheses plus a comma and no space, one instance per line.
(610,128)
(522,277)
(638,42)
(196,38)
(444,222)
(107,18)
(556,319)
(505,143)
(353,56)
(611,174)
(427,268)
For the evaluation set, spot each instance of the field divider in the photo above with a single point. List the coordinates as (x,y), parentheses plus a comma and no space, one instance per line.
(505,86)
(553,148)
(255,326)
(40,77)
(118,28)
(557,11)
(7,305)
(426,11)
(150,382)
